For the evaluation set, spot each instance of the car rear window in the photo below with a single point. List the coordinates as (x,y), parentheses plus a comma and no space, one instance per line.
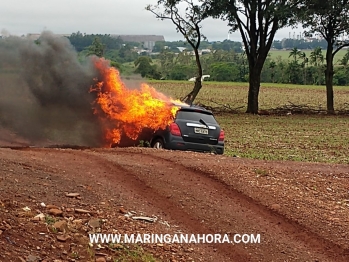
(195,116)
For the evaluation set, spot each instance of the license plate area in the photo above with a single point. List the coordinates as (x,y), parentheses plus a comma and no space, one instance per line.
(200,131)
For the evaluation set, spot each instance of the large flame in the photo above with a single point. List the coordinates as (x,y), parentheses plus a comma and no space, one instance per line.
(128,112)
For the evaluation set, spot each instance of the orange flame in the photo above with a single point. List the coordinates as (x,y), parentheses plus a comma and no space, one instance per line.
(128,112)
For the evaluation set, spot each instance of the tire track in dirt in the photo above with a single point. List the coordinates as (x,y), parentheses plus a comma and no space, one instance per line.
(170,207)
(202,204)
(281,237)
(130,183)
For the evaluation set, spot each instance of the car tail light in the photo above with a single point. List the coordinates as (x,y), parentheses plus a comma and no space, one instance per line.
(174,129)
(221,136)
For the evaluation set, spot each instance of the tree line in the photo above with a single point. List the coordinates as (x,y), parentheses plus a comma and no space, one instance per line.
(230,66)
(289,43)
(82,41)
(224,62)
(117,50)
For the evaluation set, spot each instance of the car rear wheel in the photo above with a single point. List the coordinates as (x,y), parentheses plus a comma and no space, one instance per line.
(158,143)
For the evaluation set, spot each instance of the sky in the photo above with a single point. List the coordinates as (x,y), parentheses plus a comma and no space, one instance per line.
(20,17)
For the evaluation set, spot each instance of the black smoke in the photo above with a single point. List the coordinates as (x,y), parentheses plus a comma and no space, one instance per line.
(44,92)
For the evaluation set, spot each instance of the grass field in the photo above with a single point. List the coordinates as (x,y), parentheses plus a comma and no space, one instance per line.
(271,95)
(284,54)
(315,138)
(297,137)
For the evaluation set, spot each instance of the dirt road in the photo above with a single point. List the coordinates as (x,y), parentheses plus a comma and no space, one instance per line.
(300,211)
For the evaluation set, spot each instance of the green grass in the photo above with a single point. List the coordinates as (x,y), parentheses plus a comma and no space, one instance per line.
(121,253)
(311,138)
(284,54)
(133,254)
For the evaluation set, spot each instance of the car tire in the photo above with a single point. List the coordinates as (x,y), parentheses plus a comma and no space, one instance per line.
(158,143)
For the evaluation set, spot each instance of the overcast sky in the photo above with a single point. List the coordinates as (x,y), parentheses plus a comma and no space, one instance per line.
(20,17)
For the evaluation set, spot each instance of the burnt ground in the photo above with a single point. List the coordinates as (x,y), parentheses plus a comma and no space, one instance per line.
(300,210)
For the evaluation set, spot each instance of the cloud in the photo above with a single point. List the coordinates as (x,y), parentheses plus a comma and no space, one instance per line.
(104,17)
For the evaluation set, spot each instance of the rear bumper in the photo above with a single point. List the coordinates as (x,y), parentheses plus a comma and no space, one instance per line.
(187,146)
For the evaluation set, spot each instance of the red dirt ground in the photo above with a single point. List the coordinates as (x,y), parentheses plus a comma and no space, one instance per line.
(300,210)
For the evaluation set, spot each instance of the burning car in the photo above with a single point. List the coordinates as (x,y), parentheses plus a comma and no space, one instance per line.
(194,129)
(128,116)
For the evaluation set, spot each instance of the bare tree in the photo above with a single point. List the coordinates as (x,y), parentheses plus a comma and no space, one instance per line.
(188,24)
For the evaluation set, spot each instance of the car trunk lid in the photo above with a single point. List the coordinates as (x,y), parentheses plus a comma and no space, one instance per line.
(198,126)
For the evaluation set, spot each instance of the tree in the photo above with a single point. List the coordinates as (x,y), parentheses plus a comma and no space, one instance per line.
(317,59)
(305,61)
(242,61)
(159,46)
(189,26)
(143,65)
(223,56)
(257,21)
(342,74)
(295,53)
(227,45)
(341,77)
(127,54)
(294,72)
(97,48)
(345,60)
(184,58)
(181,72)
(293,68)
(330,19)
(166,62)
(272,68)
(223,71)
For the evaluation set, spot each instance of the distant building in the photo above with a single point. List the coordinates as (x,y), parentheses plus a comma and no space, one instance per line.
(149,45)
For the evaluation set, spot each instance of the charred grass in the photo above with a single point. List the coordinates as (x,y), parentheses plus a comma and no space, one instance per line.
(301,137)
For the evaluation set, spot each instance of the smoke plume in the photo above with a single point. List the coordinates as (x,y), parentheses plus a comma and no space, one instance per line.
(44,92)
